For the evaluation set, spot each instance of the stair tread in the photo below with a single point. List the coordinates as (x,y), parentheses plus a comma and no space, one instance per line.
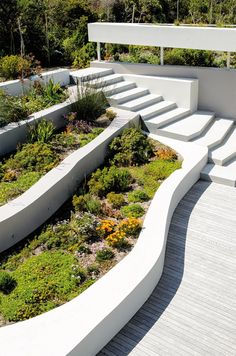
(227,150)
(163,118)
(120,85)
(139,101)
(216,133)
(219,174)
(91,71)
(190,126)
(106,78)
(123,95)
(155,107)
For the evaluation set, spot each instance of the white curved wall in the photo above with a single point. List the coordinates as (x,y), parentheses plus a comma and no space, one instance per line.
(21,216)
(84,325)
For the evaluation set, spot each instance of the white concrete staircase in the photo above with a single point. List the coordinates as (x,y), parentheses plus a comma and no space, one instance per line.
(165,118)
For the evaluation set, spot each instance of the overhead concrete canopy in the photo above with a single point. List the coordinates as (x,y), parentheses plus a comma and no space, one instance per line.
(203,38)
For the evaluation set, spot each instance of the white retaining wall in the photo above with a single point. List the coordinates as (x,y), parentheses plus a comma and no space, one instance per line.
(21,216)
(216,92)
(19,87)
(85,324)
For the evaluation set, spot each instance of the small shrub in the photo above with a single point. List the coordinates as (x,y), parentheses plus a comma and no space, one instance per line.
(130,226)
(110,114)
(13,67)
(11,109)
(133,211)
(117,239)
(87,203)
(33,157)
(138,196)
(90,103)
(104,255)
(84,249)
(106,227)
(109,180)
(41,131)
(116,200)
(7,282)
(131,148)
(189,57)
(166,153)
(87,226)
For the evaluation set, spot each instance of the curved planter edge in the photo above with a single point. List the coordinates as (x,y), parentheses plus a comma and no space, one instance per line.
(85,324)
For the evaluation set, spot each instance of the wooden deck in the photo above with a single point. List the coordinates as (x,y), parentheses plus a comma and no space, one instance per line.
(192,311)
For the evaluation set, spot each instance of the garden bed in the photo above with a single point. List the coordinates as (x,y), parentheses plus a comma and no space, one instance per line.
(39,97)
(89,234)
(45,150)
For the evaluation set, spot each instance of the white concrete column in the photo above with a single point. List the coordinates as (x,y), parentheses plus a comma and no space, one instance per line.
(162,56)
(98,51)
(228,60)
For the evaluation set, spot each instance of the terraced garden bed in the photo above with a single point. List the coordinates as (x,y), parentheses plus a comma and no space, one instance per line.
(44,150)
(39,97)
(89,234)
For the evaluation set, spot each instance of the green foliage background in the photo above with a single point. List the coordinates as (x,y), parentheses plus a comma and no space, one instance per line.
(55,31)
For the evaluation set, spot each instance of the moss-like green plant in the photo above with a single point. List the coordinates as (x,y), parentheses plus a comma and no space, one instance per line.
(138,196)
(116,200)
(43,282)
(104,255)
(133,211)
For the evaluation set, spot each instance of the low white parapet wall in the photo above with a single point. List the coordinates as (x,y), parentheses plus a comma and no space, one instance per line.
(21,216)
(85,324)
(20,87)
(184,92)
(216,86)
(206,38)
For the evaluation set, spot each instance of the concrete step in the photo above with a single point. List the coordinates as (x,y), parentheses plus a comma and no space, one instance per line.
(130,94)
(219,174)
(156,109)
(118,88)
(166,118)
(89,73)
(224,153)
(105,81)
(216,133)
(141,103)
(188,128)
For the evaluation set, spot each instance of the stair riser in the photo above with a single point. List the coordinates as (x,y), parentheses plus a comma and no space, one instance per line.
(142,105)
(216,143)
(103,83)
(116,102)
(158,111)
(118,90)
(219,180)
(222,162)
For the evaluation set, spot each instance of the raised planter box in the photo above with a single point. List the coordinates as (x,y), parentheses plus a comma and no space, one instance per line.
(18,87)
(85,324)
(27,212)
